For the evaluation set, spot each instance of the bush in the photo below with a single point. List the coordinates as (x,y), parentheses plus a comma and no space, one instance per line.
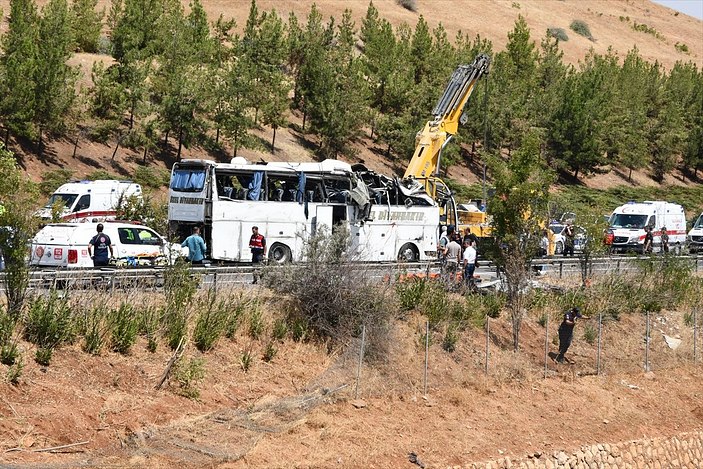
(179,289)
(149,177)
(100,174)
(15,372)
(335,296)
(270,352)
(681,47)
(125,325)
(410,292)
(590,334)
(95,329)
(256,324)
(246,360)
(50,323)
(51,180)
(451,337)
(149,321)
(211,322)
(188,375)
(581,28)
(558,33)
(280,329)
(408,4)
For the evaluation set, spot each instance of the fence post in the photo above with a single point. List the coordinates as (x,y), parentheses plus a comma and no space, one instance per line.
(361,359)
(561,268)
(600,343)
(214,281)
(488,341)
(695,335)
(546,344)
(646,345)
(427,353)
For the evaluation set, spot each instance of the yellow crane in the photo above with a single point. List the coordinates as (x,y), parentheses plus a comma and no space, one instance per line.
(437,133)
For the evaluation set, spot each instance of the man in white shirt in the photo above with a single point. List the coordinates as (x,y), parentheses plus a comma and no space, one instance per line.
(469,262)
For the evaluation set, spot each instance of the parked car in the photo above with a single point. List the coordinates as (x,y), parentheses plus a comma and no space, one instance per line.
(65,245)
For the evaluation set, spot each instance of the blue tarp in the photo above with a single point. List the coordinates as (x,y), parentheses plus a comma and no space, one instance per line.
(191,180)
(255,186)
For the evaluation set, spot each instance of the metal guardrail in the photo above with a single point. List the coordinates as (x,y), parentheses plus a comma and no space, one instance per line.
(147,278)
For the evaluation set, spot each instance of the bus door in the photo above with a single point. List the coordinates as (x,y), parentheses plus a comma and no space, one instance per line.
(228,241)
(323,216)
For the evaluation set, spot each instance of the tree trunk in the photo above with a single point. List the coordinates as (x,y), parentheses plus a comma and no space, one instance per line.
(131,114)
(256,115)
(75,147)
(305,115)
(388,151)
(217,136)
(146,149)
(273,140)
(180,143)
(7,136)
(40,142)
(629,176)
(166,141)
(117,145)
(576,174)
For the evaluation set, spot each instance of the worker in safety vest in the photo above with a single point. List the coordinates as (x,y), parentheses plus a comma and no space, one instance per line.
(257,244)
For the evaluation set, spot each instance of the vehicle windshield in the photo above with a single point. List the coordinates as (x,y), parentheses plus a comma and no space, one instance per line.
(66,199)
(625,220)
(699,222)
(556,229)
(188,179)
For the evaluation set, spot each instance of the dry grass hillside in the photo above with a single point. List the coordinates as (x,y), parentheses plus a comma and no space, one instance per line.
(611,24)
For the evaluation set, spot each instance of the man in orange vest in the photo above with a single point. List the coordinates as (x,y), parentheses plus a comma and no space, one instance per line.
(257,244)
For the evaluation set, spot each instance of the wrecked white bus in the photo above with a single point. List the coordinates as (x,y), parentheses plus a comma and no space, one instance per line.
(387,220)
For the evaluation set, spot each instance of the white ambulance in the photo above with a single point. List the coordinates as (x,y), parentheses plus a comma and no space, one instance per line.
(88,200)
(65,245)
(695,236)
(628,222)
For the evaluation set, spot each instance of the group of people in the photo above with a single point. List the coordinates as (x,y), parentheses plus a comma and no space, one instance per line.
(456,250)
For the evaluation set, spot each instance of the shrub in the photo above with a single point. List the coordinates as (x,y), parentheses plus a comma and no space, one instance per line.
(335,296)
(188,375)
(542,320)
(256,324)
(150,177)
(280,329)
(125,325)
(270,352)
(246,360)
(95,329)
(49,324)
(100,174)
(299,329)
(408,4)
(149,320)
(9,353)
(51,180)
(410,292)
(179,289)
(211,322)
(451,337)
(681,47)
(558,33)
(590,334)
(14,372)
(581,28)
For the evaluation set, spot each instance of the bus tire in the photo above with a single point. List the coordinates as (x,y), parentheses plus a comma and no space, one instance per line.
(280,254)
(408,253)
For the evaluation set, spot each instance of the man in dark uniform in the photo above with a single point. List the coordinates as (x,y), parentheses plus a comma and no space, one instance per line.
(101,244)
(569,236)
(648,240)
(566,331)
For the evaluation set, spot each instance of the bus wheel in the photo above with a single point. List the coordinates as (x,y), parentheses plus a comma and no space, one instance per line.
(408,253)
(280,253)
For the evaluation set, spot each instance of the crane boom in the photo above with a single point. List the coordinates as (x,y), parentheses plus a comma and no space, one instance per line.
(447,115)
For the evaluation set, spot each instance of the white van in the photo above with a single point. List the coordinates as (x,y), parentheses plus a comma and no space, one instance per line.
(695,236)
(85,200)
(65,245)
(626,232)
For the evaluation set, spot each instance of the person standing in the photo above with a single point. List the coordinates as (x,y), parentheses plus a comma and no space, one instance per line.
(569,240)
(453,254)
(566,331)
(648,240)
(469,263)
(99,246)
(196,247)
(665,240)
(257,244)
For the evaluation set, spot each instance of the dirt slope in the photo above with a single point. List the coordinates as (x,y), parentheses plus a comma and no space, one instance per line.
(300,410)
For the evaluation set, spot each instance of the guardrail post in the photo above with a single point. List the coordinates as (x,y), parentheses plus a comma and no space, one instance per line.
(561,268)
(361,360)
(546,344)
(600,341)
(646,345)
(214,281)
(427,355)
(617,266)
(488,341)
(695,335)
